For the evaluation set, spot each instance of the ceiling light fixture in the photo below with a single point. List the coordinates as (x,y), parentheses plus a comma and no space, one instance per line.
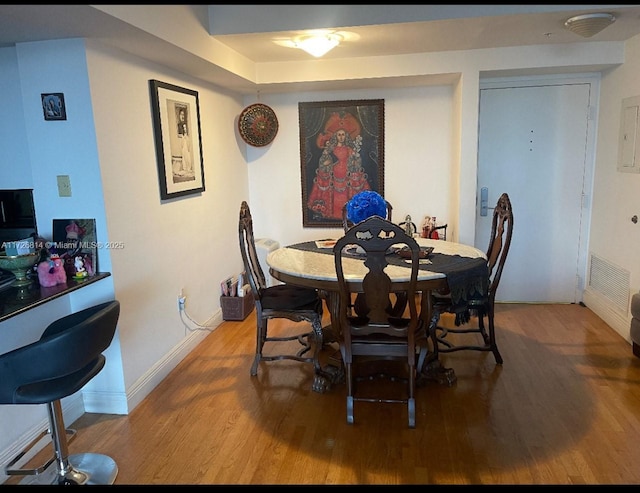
(589,24)
(318,45)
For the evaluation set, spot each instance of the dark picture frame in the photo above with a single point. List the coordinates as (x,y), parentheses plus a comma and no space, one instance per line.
(341,154)
(178,139)
(53,107)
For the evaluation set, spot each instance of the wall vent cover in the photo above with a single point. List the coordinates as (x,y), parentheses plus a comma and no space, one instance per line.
(611,281)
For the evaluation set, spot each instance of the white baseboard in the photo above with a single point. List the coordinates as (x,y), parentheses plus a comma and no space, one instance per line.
(105,402)
(147,382)
(599,304)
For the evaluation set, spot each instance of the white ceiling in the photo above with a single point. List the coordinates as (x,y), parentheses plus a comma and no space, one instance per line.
(458,27)
(261,32)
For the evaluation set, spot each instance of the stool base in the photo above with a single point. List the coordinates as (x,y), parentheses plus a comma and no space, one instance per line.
(85,469)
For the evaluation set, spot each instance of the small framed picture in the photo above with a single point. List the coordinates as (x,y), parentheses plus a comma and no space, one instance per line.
(53,106)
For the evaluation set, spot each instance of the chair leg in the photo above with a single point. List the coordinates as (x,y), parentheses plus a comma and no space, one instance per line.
(85,468)
(349,372)
(411,401)
(482,329)
(492,339)
(411,407)
(65,469)
(65,472)
(261,335)
(12,468)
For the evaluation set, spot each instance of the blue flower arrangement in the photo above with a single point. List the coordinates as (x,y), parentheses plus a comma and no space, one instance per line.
(366,204)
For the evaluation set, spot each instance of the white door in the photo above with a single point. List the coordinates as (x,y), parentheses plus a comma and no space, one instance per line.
(533,144)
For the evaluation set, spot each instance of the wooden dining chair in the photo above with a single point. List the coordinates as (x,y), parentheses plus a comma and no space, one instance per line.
(499,242)
(294,303)
(375,334)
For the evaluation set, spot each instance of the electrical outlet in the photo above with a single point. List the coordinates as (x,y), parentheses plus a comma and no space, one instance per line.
(181,299)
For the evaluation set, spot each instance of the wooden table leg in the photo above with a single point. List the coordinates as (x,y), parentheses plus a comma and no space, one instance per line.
(333,372)
(429,365)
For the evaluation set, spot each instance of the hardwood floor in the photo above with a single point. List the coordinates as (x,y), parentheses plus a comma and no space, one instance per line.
(563,409)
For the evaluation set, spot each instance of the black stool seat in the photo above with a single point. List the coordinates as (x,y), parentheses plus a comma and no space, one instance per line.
(60,363)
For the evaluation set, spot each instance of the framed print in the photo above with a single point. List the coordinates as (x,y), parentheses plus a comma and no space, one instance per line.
(341,154)
(176,124)
(53,106)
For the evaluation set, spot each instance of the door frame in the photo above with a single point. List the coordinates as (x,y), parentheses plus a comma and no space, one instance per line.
(593,79)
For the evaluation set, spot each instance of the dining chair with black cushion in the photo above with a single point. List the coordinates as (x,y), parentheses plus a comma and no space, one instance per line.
(374,336)
(295,303)
(60,363)
(499,242)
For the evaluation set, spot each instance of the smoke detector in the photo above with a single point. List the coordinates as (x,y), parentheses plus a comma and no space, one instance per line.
(588,25)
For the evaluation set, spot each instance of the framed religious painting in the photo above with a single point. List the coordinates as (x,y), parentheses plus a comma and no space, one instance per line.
(178,139)
(341,154)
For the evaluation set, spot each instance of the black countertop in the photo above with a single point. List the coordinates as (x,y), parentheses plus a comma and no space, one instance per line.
(17,300)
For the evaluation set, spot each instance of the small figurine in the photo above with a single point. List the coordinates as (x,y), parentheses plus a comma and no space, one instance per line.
(81,272)
(427,225)
(409,227)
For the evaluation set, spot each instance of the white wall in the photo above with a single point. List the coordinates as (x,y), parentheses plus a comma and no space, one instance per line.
(66,147)
(12,128)
(189,243)
(418,133)
(40,150)
(616,195)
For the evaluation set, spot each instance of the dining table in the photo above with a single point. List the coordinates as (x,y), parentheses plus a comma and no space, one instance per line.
(457,267)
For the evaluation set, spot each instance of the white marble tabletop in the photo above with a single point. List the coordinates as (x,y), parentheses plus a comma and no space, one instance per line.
(320,266)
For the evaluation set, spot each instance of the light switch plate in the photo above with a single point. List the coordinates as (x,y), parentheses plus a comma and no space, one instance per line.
(64,186)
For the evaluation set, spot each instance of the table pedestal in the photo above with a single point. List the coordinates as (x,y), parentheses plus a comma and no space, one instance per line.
(429,366)
(326,375)
(434,371)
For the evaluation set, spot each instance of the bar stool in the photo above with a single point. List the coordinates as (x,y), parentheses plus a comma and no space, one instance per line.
(61,362)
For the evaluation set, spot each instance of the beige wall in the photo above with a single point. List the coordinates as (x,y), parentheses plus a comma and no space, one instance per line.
(616,195)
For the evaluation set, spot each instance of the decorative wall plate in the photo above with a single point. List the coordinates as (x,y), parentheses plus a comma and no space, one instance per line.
(258,125)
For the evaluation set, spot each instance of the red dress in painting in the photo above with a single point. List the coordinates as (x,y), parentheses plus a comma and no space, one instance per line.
(339,175)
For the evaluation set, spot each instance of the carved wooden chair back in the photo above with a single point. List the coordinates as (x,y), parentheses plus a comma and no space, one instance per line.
(499,243)
(280,301)
(375,332)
